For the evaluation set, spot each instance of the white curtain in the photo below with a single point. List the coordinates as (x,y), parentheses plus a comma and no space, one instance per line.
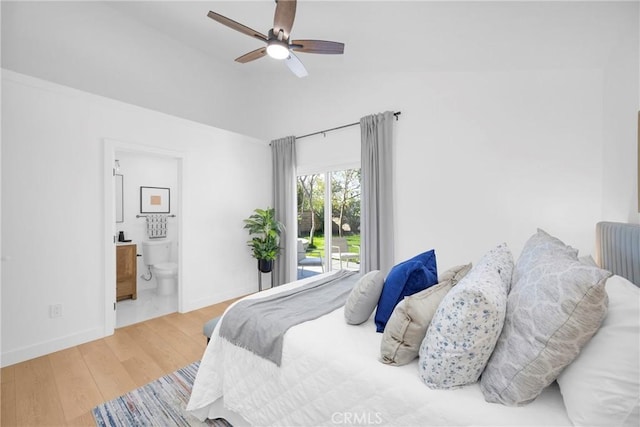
(283,153)
(376,222)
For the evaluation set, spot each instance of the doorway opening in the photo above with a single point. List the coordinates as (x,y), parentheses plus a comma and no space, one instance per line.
(131,171)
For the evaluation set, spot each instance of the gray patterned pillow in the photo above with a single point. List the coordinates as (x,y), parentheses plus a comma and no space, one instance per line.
(363,298)
(467,323)
(553,310)
(410,319)
(540,244)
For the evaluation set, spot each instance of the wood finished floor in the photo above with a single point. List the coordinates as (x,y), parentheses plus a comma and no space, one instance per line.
(61,388)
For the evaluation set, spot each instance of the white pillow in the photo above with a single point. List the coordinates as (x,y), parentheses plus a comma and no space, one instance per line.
(363,298)
(602,387)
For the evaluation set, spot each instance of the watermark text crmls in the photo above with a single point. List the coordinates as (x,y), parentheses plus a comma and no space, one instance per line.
(357,418)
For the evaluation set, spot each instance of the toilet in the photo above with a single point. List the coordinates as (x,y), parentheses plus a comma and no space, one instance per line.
(156,254)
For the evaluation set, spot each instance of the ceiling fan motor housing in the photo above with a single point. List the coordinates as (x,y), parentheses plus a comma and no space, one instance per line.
(277,47)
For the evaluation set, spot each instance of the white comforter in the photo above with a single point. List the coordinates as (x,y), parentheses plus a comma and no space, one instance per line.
(330,375)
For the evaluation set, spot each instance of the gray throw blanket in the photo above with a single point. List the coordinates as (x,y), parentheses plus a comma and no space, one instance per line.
(259,325)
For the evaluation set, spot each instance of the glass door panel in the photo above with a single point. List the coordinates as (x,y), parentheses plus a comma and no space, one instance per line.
(328,222)
(345,219)
(311,207)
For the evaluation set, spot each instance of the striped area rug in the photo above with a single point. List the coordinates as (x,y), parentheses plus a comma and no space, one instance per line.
(160,403)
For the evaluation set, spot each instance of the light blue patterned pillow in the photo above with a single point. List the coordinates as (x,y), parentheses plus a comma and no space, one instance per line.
(541,244)
(554,308)
(467,323)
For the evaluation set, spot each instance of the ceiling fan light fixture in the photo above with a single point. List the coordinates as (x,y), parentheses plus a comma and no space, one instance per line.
(277,49)
(278,40)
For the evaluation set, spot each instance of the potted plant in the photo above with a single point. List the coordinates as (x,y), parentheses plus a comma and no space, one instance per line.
(264,231)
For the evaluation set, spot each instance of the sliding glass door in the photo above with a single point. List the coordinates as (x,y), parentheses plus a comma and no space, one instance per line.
(328,221)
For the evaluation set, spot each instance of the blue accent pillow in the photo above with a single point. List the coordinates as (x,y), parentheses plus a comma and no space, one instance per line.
(407,278)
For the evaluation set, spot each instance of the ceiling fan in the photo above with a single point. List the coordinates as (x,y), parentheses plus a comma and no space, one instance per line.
(279,45)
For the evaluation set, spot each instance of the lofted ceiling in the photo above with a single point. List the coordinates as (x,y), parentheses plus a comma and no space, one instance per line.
(396,35)
(167,55)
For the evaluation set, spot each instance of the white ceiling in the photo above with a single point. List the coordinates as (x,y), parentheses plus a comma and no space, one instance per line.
(394,35)
(170,57)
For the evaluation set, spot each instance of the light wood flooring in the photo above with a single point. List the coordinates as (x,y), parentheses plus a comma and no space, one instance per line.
(61,388)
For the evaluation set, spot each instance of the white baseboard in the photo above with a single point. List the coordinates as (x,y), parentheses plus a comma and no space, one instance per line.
(219,297)
(40,349)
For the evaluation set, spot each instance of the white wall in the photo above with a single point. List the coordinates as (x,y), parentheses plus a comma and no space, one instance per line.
(332,151)
(485,157)
(53,210)
(92,46)
(1,251)
(487,154)
(621,104)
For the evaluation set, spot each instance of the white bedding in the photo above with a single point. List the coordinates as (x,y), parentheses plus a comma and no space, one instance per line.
(330,374)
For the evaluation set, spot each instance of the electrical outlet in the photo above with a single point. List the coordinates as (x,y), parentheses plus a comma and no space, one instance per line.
(55,310)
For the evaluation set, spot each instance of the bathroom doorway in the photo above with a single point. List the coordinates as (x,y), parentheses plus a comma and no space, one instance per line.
(141,173)
(131,169)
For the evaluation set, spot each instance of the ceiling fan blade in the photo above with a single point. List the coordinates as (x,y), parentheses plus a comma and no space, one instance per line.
(237,26)
(296,66)
(253,55)
(317,46)
(284,16)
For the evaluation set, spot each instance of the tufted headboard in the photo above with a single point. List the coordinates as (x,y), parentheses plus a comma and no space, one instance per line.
(618,249)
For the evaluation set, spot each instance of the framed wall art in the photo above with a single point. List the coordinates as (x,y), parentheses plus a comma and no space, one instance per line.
(155,200)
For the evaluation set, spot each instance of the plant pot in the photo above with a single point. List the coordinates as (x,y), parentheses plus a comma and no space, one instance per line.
(265,265)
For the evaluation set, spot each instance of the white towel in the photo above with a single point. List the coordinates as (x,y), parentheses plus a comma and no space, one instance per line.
(156,226)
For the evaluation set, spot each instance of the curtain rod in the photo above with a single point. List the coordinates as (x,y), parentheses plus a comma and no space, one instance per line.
(396,114)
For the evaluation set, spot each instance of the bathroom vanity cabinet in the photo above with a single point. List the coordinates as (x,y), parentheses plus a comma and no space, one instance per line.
(126,271)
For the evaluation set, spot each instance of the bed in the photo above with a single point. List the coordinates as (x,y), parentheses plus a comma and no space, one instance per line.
(330,372)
